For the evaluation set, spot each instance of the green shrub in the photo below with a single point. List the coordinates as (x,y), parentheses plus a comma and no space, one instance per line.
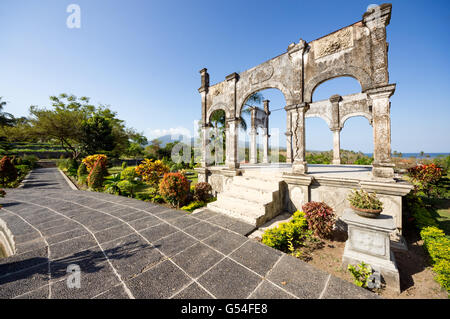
(193,206)
(126,187)
(67,164)
(361,274)
(438,247)
(22,170)
(146,197)
(124,165)
(288,234)
(128,174)
(435,241)
(82,180)
(82,170)
(202,191)
(320,217)
(174,188)
(8,172)
(30,160)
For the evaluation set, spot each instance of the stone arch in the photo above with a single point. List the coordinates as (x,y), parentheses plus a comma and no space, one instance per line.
(275,85)
(356,114)
(355,72)
(314,115)
(216,107)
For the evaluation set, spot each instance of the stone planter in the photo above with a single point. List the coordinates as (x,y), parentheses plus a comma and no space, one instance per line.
(369,213)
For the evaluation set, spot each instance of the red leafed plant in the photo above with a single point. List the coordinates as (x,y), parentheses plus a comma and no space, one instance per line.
(425,177)
(320,217)
(174,188)
(8,172)
(97,175)
(202,191)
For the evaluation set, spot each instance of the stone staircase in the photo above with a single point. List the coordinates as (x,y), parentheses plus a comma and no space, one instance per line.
(252,197)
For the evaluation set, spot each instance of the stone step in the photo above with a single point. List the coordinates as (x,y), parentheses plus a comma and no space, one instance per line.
(247,214)
(250,193)
(242,200)
(250,182)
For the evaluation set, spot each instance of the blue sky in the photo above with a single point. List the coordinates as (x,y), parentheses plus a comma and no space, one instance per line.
(143,57)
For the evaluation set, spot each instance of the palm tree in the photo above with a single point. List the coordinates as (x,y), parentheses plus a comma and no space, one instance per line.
(254,100)
(5,118)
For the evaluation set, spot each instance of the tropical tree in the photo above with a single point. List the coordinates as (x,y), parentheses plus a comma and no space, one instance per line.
(82,128)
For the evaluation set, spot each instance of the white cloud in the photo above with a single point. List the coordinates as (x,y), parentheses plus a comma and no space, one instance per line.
(173,131)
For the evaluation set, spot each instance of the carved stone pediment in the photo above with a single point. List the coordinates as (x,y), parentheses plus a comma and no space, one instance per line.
(333,43)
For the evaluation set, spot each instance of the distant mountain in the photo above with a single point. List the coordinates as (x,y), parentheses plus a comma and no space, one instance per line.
(170,139)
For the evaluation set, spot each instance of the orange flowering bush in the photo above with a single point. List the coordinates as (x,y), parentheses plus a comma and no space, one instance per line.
(151,171)
(425,178)
(174,188)
(90,161)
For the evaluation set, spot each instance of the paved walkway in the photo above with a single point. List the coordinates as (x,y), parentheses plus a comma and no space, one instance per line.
(127,248)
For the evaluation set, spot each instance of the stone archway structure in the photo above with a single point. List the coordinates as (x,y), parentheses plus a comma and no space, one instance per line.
(359,50)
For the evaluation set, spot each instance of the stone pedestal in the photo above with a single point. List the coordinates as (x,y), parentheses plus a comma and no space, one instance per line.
(368,241)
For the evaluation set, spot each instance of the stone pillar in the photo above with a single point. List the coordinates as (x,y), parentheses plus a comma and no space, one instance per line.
(288,137)
(253,159)
(203,90)
(232,135)
(265,146)
(298,111)
(336,128)
(205,145)
(266,132)
(336,147)
(382,166)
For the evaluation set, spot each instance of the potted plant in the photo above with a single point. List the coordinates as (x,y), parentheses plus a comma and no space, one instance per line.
(365,204)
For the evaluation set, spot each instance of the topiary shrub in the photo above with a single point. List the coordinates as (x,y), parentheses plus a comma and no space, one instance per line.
(202,191)
(174,188)
(97,175)
(8,172)
(320,217)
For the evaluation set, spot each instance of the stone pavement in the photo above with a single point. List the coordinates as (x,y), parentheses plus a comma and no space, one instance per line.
(127,248)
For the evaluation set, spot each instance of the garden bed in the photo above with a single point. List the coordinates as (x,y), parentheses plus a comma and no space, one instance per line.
(416,274)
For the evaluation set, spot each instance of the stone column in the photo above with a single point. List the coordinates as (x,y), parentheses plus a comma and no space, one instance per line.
(336,147)
(266,132)
(299,165)
(382,166)
(205,145)
(232,134)
(253,148)
(288,137)
(336,128)
(265,146)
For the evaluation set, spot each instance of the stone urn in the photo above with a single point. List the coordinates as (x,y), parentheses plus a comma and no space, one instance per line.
(369,213)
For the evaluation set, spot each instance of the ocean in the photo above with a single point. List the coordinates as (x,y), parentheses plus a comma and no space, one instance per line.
(416,155)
